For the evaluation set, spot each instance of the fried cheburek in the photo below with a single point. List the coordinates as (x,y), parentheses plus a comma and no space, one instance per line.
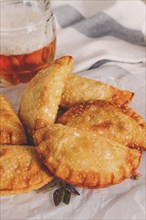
(79,89)
(21,170)
(11,129)
(109,120)
(40,101)
(84,159)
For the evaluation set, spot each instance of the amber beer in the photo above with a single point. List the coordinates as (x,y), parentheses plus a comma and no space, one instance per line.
(21,68)
(27,39)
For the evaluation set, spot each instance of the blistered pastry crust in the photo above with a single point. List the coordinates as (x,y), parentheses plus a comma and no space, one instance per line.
(11,129)
(79,89)
(21,170)
(86,160)
(41,99)
(119,124)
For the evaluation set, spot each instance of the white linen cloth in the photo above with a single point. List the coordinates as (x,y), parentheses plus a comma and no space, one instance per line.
(100,30)
(107,43)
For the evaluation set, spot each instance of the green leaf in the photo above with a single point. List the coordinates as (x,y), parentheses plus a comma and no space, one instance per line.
(66,197)
(72,189)
(57,196)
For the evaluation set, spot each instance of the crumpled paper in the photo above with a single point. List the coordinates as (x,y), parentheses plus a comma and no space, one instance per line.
(123,201)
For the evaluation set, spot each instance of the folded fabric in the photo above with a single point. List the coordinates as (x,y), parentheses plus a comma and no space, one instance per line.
(97,32)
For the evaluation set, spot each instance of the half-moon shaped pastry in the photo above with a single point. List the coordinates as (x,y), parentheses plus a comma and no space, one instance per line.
(40,101)
(79,89)
(109,120)
(21,170)
(84,159)
(11,129)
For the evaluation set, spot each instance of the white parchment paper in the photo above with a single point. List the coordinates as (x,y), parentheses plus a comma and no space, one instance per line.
(123,201)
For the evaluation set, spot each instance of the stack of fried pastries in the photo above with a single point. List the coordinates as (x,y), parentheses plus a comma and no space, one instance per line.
(96,143)
(21,170)
(20,166)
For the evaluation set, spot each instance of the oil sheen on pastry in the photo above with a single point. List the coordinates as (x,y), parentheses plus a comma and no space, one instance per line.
(40,101)
(11,129)
(21,170)
(84,159)
(111,121)
(79,89)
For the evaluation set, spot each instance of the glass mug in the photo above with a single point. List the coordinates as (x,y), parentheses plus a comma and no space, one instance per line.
(28,39)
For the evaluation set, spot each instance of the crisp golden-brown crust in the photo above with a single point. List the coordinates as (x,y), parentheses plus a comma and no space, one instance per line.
(40,101)
(84,159)
(21,170)
(40,135)
(79,89)
(138,118)
(109,120)
(11,129)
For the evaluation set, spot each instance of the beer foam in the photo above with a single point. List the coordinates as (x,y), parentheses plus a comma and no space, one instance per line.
(23,30)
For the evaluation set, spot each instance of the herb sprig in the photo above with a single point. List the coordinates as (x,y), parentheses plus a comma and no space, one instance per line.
(63,191)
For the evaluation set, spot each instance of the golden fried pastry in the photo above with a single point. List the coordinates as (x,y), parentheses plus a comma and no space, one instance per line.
(21,170)
(79,89)
(11,129)
(40,135)
(138,118)
(40,101)
(84,159)
(109,120)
